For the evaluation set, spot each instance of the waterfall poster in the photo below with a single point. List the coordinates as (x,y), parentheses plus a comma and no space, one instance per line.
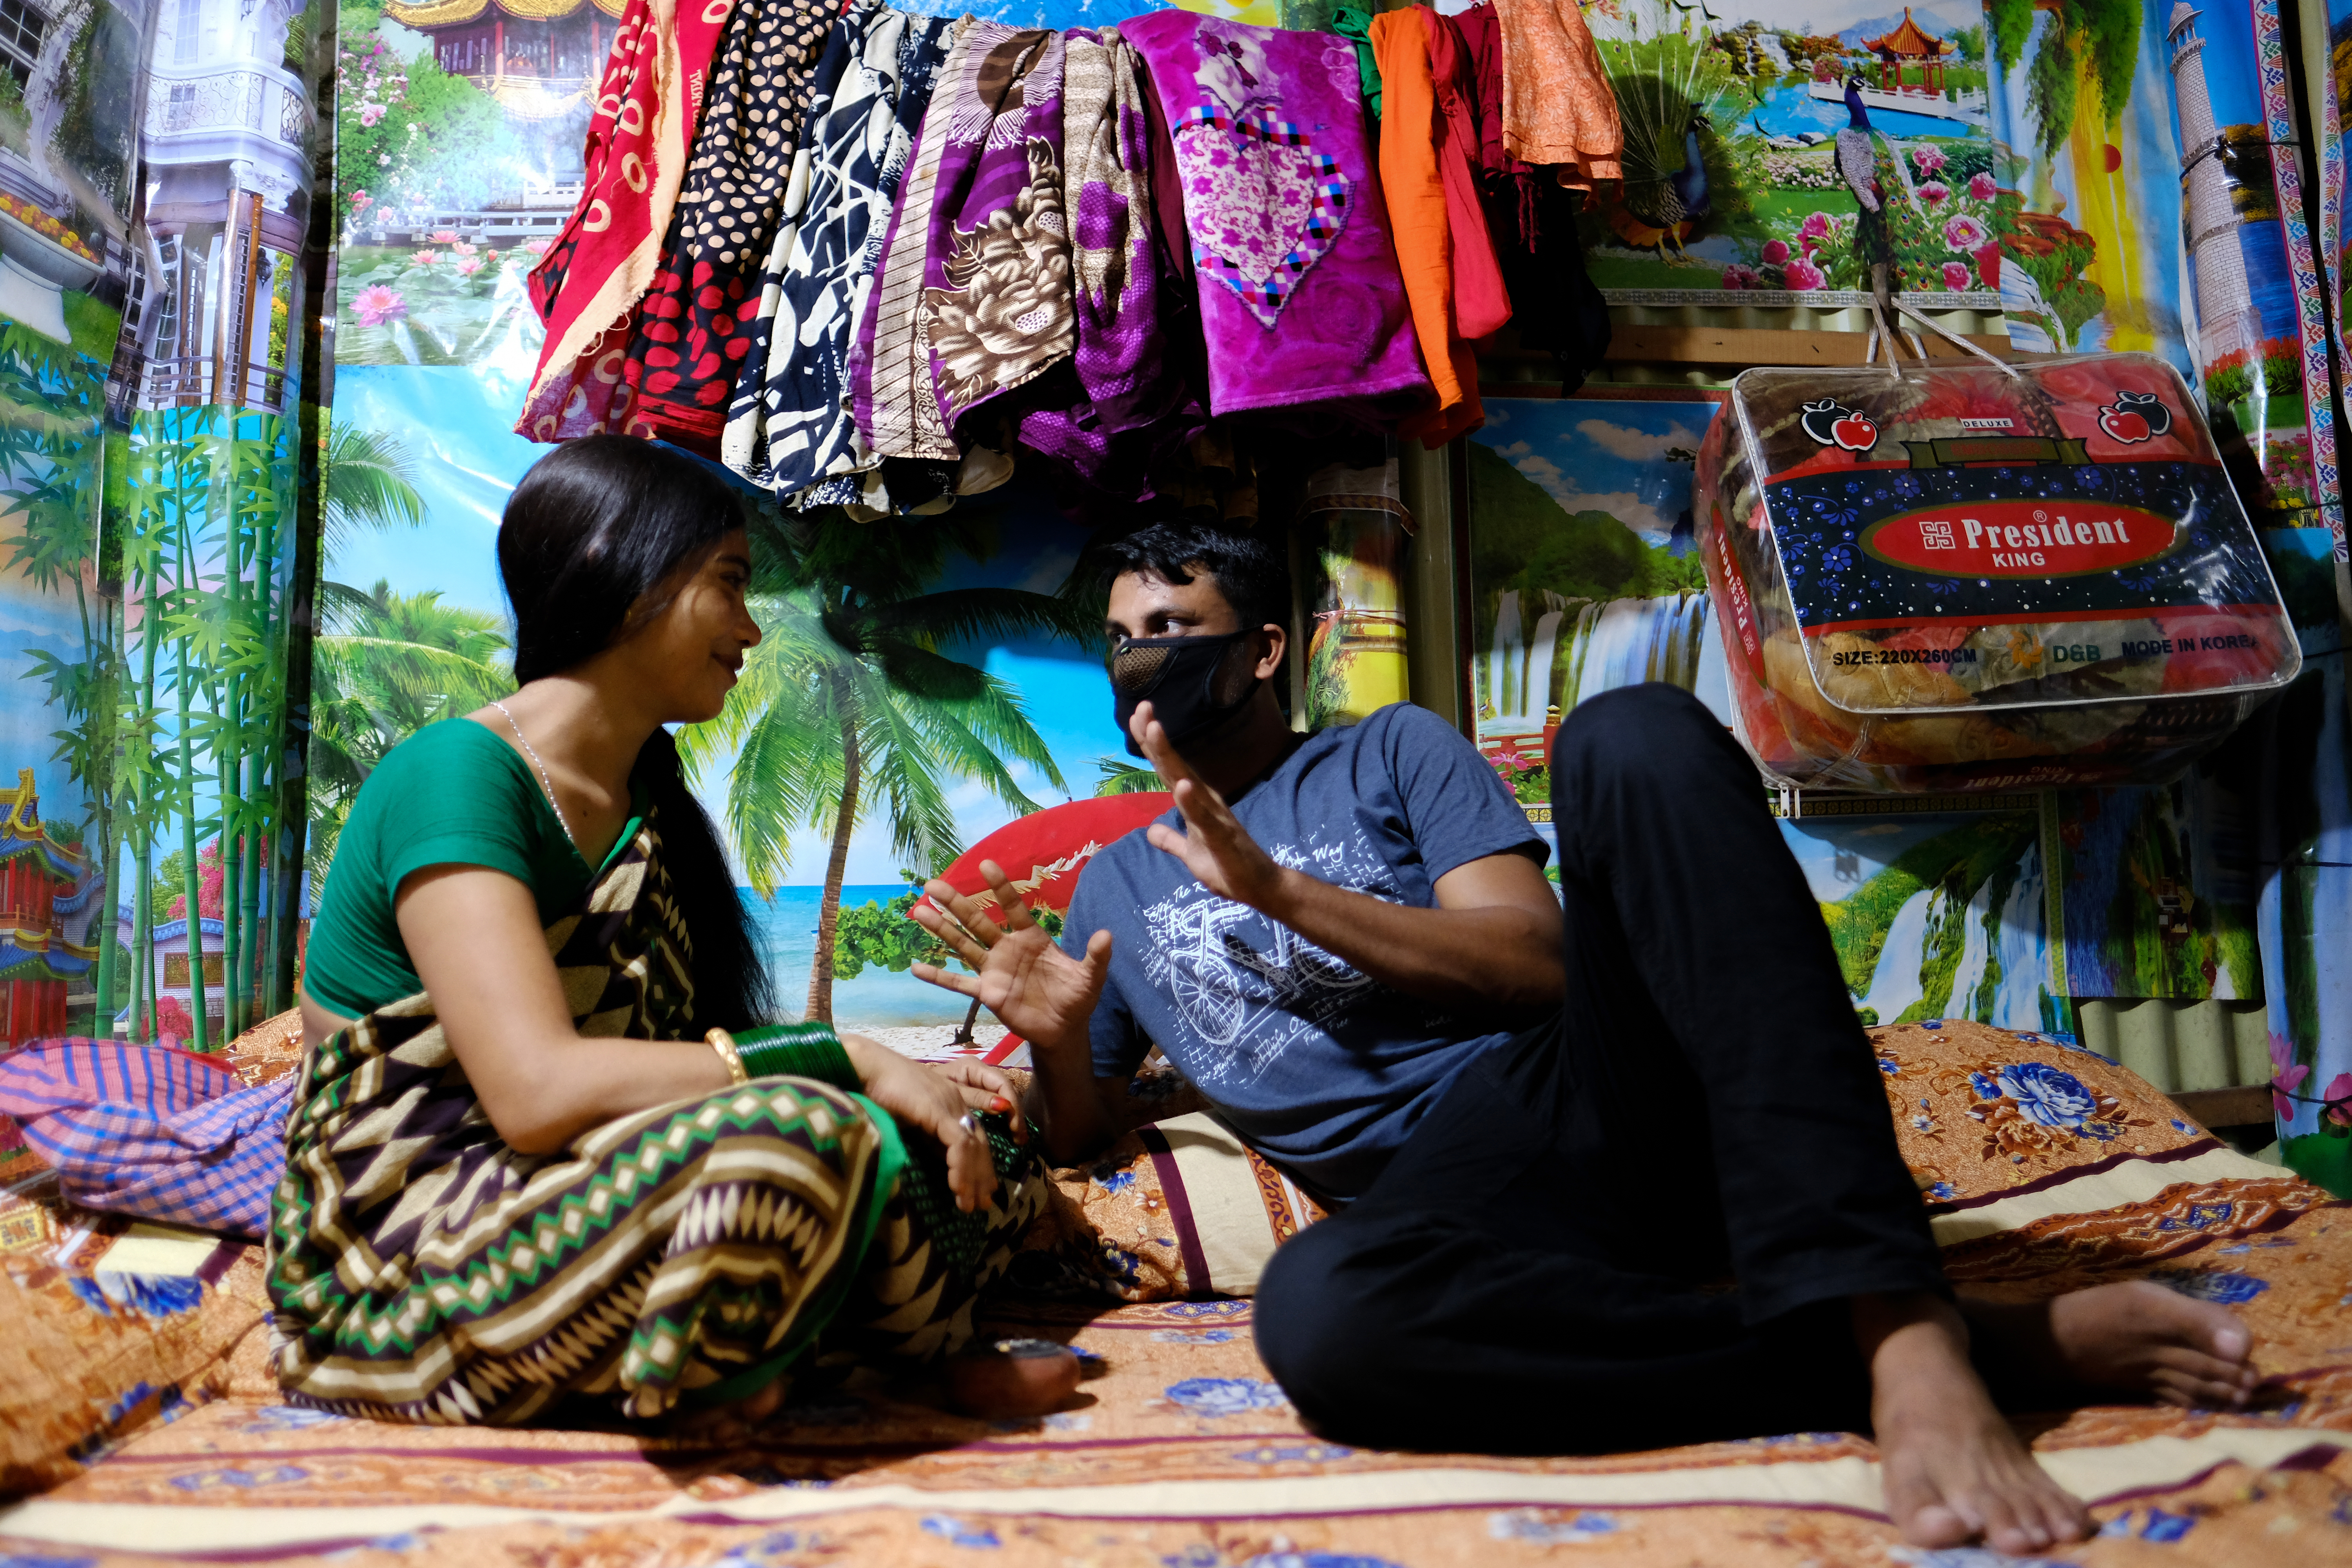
(1935,914)
(1750,140)
(1583,575)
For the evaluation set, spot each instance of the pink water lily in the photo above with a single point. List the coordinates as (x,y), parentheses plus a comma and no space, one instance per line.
(467,266)
(1982,187)
(2285,1082)
(426,258)
(376,304)
(2286,1075)
(463,249)
(444,237)
(2339,1095)
(537,247)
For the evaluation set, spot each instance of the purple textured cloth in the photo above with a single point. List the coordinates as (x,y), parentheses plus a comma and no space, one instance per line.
(973,296)
(151,1131)
(1123,406)
(1300,297)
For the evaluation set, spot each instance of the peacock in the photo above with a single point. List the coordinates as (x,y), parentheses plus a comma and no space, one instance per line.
(1892,221)
(1659,209)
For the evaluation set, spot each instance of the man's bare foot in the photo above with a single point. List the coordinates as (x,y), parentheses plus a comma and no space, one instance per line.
(1952,1470)
(723,1425)
(2139,1337)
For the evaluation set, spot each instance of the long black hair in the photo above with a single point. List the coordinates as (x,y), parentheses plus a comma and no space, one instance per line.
(599,537)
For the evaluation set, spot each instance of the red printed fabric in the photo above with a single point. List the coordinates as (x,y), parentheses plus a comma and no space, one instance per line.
(690,336)
(587,287)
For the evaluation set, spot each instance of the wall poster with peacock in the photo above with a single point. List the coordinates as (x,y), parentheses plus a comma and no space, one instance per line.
(1767,158)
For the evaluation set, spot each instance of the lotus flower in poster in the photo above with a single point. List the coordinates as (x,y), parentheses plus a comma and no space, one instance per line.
(376,305)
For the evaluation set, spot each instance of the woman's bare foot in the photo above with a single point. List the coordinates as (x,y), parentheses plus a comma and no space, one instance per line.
(2139,1337)
(723,1425)
(1952,1470)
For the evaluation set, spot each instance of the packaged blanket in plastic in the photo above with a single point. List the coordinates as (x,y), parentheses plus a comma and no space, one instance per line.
(1983,577)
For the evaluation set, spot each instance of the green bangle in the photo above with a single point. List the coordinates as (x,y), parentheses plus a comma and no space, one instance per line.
(797,1051)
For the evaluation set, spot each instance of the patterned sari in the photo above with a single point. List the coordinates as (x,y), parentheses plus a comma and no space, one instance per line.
(422,1270)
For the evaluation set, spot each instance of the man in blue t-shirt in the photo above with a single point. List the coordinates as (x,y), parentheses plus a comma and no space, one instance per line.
(1611,1169)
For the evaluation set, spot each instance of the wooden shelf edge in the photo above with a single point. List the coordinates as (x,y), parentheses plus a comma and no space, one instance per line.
(1764,345)
(2242,1105)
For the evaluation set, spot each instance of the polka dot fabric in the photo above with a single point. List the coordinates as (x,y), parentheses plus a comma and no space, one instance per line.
(692,333)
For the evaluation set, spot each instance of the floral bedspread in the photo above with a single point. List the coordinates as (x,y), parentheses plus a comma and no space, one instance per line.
(1180,1452)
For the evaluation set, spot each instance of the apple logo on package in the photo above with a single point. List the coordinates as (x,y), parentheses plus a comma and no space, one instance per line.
(2135,416)
(1833,424)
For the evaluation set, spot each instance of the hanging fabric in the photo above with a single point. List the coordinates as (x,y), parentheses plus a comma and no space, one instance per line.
(1481,304)
(1356,27)
(1431,250)
(587,287)
(1125,406)
(1558,108)
(791,425)
(689,337)
(1556,307)
(974,297)
(1300,301)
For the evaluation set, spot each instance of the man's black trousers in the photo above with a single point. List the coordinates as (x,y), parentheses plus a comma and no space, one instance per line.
(1637,1225)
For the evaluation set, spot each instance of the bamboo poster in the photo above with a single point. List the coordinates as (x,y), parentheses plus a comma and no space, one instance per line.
(148,541)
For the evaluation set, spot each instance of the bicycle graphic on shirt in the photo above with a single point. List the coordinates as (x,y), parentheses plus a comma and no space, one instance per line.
(1206,963)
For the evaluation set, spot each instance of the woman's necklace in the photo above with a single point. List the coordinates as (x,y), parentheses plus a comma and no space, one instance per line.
(548,784)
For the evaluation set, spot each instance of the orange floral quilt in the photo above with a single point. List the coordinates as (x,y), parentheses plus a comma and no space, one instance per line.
(2044,1168)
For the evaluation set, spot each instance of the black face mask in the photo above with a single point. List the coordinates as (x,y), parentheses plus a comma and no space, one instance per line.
(1184,680)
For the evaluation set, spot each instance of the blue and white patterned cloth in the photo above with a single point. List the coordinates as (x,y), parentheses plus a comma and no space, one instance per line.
(789,425)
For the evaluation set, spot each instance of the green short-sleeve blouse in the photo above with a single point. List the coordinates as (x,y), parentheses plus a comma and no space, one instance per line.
(453,794)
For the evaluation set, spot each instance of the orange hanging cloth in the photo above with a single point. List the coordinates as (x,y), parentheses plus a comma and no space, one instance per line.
(1481,303)
(1417,222)
(1558,108)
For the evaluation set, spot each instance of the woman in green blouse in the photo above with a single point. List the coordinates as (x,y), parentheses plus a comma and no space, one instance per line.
(540,1148)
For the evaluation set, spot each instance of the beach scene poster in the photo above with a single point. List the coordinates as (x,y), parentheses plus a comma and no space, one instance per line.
(1583,573)
(414,583)
(1935,914)
(1735,192)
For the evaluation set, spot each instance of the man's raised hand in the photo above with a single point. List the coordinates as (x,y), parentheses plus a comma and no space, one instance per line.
(1035,989)
(1214,846)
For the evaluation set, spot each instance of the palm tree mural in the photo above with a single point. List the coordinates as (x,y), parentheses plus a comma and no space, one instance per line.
(383,666)
(1121,777)
(368,481)
(849,706)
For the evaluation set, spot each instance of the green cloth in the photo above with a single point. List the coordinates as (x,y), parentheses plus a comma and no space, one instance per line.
(1356,27)
(454,794)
